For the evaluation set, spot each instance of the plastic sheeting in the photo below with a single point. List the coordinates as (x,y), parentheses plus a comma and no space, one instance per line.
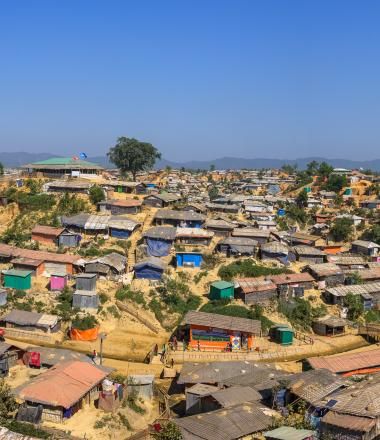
(148,273)
(158,248)
(84,335)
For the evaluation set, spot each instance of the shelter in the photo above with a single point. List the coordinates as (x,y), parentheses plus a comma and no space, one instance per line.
(161,200)
(221,290)
(68,186)
(141,385)
(275,251)
(151,268)
(259,290)
(31,321)
(63,389)
(221,228)
(69,239)
(85,300)
(36,267)
(3,297)
(231,423)
(17,279)
(197,397)
(85,281)
(328,274)
(309,254)
(122,186)
(62,263)
(159,240)
(10,355)
(48,357)
(336,295)
(46,234)
(213,331)
(367,248)
(111,265)
(120,206)
(282,334)
(235,246)
(348,364)
(194,236)
(121,227)
(330,326)
(183,219)
(63,166)
(58,282)
(189,259)
(261,236)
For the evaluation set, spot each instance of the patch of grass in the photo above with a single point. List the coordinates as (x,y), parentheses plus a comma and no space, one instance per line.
(126,294)
(114,311)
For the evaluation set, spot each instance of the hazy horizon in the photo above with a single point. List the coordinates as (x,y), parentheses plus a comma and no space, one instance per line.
(200,80)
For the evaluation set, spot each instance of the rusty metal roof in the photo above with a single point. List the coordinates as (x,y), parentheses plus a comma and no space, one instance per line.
(347,362)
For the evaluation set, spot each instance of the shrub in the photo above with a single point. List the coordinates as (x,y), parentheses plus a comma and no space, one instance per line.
(84,323)
(247,268)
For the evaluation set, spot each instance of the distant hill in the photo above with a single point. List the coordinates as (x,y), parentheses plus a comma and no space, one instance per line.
(235,163)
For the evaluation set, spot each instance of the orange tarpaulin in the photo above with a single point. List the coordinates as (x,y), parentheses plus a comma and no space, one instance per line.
(84,335)
(362,371)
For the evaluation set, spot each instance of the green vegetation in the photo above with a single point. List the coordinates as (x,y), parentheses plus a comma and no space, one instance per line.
(131,155)
(223,307)
(335,183)
(247,269)
(354,306)
(199,276)
(96,194)
(300,313)
(169,432)
(125,293)
(372,234)
(342,229)
(175,299)
(84,323)
(302,199)
(213,193)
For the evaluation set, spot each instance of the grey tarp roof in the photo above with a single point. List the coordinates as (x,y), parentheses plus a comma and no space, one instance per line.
(114,260)
(152,262)
(161,232)
(171,214)
(235,395)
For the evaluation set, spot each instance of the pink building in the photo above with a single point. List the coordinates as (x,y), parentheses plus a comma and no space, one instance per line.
(58,282)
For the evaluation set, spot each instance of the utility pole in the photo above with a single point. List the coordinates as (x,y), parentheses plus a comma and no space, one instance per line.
(103,336)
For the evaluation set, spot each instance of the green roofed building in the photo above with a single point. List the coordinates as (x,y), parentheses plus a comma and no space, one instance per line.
(64,166)
(222,290)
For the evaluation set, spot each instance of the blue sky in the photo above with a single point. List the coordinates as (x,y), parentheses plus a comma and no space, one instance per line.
(199,79)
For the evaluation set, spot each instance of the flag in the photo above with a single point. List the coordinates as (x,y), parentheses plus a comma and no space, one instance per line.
(83,155)
(75,158)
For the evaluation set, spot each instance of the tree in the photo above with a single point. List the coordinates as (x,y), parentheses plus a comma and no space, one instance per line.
(312,168)
(96,194)
(302,199)
(336,183)
(289,169)
(372,234)
(7,401)
(213,192)
(354,306)
(212,167)
(169,432)
(1,169)
(131,155)
(325,170)
(342,229)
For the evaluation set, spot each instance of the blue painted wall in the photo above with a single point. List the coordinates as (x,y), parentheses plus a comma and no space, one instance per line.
(183,258)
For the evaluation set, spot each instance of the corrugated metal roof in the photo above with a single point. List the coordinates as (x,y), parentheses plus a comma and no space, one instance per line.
(325,269)
(251,285)
(171,214)
(194,233)
(289,433)
(162,232)
(62,385)
(235,395)
(350,422)
(347,362)
(356,289)
(47,230)
(225,424)
(223,322)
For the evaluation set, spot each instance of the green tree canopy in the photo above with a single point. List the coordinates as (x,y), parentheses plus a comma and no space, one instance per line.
(131,155)
(342,229)
(302,199)
(96,194)
(213,192)
(336,183)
